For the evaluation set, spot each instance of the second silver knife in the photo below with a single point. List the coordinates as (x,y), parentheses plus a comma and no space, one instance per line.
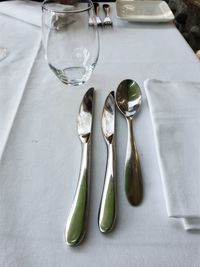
(107,210)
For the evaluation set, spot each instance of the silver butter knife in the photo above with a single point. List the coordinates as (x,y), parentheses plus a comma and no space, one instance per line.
(77,221)
(107,210)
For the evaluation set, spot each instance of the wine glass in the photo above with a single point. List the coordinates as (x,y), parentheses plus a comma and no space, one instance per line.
(71,45)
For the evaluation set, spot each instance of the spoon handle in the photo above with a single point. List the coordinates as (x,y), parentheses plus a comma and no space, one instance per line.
(133,175)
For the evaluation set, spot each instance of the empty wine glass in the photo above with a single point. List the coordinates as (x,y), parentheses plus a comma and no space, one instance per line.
(71,45)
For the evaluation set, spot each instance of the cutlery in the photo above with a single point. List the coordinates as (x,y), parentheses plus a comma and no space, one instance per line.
(91,22)
(107,210)
(107,20)
(78,217)
(128,100)
(96,8)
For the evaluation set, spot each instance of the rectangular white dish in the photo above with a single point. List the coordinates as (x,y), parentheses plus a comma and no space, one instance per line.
(144,11)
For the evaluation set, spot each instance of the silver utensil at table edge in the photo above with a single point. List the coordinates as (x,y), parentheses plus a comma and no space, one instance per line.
(77,221)
(107,20)
(96,9)
(107,210)
(128,100)
(92,20)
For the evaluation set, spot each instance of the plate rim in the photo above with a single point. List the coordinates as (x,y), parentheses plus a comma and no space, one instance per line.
(137,18)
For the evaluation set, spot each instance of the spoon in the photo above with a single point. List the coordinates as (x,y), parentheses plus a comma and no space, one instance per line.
(128,100)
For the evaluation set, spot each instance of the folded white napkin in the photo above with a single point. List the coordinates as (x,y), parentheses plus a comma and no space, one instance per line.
(175,113)
(27,11)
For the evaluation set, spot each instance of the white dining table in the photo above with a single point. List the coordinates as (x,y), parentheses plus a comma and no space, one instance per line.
(40,152)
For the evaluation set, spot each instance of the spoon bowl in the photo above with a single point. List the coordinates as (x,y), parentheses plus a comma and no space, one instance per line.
(128,97)
(128,100)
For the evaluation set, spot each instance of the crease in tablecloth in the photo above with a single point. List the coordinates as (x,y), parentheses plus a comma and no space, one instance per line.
(6,130)
(26,11)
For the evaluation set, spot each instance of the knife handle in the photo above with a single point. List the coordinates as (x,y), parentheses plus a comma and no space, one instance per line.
(78,217)
(133,175)
(107,210)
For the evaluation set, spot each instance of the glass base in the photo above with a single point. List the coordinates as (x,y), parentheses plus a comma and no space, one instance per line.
(73,75)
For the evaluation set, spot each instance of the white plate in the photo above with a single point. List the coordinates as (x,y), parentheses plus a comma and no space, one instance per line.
(144,11)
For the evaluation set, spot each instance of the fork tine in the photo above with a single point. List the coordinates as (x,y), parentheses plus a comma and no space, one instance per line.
(107,21)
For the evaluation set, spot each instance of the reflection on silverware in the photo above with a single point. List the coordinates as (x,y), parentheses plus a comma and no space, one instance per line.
(107,210)
(107,20)
(96,8)
(78,217)
(128,99)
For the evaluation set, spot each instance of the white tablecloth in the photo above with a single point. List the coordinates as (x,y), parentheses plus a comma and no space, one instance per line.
(40,152)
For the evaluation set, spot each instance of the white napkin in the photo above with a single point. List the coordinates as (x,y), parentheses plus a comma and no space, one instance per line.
(175,113)
(27,11)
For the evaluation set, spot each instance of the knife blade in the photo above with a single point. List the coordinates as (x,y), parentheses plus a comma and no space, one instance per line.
(108,209)
(76,225)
